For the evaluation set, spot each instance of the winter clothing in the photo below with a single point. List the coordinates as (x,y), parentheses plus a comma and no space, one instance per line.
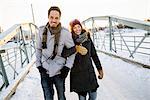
(73,23)
(82,75)
(68,51)
(51,56)
(64,72)
(51,59)
(43,56)
(47,85)
(81,38)
(80,49)
(41,69)
(54,30)
(92,96)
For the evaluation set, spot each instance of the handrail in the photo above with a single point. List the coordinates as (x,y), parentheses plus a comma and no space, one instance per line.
(11,32)
(111,38)
(122,20)
(17,46)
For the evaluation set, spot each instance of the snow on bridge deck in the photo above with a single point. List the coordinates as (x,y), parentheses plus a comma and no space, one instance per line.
(122,81)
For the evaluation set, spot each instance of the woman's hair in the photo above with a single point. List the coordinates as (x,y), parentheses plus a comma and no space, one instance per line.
(73,23)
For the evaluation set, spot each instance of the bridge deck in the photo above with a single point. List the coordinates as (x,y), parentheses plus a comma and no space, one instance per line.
(125,82)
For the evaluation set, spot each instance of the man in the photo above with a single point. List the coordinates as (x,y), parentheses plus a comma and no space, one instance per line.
(50,61)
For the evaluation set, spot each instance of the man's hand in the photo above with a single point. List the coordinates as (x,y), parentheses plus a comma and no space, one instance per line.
(64,72)
(41,69)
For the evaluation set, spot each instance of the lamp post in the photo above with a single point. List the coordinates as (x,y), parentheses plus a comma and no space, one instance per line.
(32,14)
(33,19)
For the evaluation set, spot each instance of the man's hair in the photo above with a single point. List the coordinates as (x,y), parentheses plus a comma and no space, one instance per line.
(54,8)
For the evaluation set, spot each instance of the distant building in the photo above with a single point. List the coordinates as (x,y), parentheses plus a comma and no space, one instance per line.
(121,26)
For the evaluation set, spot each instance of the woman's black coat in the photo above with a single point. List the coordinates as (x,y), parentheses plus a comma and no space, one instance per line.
(82,75)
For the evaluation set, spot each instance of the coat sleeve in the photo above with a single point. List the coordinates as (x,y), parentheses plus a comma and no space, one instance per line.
(95,56)
(69,43)
(38,52)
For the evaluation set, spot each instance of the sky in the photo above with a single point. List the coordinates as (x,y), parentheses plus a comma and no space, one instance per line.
(19,11)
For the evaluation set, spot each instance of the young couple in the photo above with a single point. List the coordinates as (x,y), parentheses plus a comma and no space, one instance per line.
(58,51)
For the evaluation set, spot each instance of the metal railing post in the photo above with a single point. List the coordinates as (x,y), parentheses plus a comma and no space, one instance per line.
(32,42)
(4,76)
(24,45)
(138,46)
(110,33)
(93,31)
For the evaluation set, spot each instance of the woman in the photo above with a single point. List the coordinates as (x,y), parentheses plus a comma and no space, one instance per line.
(82,76)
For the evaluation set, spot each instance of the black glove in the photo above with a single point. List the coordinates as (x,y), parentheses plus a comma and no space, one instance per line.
(41,69)
(64,72)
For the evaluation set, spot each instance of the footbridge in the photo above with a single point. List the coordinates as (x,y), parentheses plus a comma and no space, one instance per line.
(123,38)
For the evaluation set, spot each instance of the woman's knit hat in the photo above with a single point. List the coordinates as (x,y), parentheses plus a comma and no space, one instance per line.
(73,23)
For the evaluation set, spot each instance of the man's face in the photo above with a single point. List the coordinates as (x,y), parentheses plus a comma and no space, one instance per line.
(54,18)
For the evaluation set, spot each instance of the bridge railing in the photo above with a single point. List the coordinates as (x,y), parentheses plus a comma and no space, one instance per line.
(16,51)
(120,35)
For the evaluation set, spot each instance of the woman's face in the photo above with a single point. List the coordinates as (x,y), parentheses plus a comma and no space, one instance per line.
(77,29)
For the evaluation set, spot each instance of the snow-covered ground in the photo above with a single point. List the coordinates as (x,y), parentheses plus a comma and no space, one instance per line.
(122,81)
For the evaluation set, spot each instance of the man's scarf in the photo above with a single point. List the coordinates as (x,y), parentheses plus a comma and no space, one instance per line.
(53,30)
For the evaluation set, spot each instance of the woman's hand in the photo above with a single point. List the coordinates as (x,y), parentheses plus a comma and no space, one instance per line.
(82,50)
(101,74)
